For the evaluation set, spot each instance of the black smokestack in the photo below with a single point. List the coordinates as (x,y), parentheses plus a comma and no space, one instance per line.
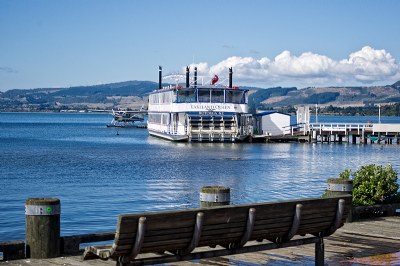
(159,77)
(230,78)
(187,77)
(195,76)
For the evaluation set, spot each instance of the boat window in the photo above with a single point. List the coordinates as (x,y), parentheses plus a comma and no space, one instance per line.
(217,96)
(235,96)
(204,96)
(165,119)
(186,96)
(163,97)
(154,118)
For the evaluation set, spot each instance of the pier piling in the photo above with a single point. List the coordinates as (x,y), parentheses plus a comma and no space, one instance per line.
(211,196)
(42,228)
(340,186)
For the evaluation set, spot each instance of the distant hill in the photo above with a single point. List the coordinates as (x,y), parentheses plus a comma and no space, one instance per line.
(128,95)
(133,95)
(325,96)
(396,85)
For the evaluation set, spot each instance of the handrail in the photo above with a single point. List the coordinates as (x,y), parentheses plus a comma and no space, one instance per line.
(347,125)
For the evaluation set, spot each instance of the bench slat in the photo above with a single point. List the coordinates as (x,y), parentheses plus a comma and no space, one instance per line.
(208,237)
(232,227)
(211,220)
(269,209)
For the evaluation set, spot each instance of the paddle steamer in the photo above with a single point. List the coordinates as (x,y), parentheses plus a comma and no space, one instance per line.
(199,112)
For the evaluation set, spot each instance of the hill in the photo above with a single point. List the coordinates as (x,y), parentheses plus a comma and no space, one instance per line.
(325,96)
(127,95)
(133,95)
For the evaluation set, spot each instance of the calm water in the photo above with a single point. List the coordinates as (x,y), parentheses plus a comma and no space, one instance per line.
(98,174)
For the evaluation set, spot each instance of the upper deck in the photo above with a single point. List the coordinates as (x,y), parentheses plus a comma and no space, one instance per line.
(199,98)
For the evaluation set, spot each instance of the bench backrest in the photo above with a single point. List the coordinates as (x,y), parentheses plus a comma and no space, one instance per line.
(227,225)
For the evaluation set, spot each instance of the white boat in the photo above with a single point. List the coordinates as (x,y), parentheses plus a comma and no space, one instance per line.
(193,112)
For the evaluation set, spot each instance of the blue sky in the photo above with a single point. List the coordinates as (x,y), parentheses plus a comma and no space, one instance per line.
(268,43)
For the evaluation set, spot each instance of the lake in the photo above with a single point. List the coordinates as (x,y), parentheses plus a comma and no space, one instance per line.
(99,172)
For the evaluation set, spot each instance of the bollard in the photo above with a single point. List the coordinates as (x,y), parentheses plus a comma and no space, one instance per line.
(42,235)
(340,186)
(211,196)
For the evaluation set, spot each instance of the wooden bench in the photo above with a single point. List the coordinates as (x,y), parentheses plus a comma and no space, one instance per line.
(173,235)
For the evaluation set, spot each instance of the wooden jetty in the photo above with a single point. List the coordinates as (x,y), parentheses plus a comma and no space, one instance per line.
(354,132)
(357,133)
(366,242)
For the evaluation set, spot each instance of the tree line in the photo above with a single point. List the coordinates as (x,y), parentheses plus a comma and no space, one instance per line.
(370,110)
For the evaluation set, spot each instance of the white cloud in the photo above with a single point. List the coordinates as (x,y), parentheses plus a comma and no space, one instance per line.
(364,66)
(306,65)
(369,65)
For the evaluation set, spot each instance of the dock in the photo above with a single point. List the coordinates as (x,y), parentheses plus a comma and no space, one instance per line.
(354,133)
(365,242)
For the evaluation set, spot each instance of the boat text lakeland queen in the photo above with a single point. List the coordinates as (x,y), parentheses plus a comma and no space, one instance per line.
(199,112)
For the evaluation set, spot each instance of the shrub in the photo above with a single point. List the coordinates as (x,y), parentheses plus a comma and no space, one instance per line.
(374,184)
(345,174)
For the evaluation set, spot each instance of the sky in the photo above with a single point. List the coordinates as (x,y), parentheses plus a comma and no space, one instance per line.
(302,43)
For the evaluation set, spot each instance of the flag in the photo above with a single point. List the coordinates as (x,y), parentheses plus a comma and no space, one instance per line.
(214,79)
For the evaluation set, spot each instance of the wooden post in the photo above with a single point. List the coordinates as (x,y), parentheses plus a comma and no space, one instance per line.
(211,196)
(340,186)
(363,136)
(314,135)
(42,228)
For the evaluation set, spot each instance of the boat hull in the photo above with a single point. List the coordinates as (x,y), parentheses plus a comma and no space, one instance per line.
(168,136)
(185,138)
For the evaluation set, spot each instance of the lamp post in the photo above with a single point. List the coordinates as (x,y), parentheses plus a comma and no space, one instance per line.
(379,117)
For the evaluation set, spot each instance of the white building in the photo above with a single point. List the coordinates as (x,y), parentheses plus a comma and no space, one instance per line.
(272,123)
